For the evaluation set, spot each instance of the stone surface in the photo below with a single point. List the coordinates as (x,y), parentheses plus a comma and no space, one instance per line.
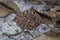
(8,25)
(44,37)
(51,1)
(3,12)
(50,14)
(10,5)
(35,2)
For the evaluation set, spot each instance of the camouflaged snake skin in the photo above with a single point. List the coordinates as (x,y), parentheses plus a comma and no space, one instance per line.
(28,19)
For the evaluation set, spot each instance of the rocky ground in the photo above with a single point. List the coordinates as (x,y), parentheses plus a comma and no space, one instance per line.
(50,22)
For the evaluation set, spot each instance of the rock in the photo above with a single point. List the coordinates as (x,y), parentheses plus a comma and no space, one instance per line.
(52,8)
(46,21)
(24,36)
(58,3)
(56,8)
(35,1)
(2,37)
(9,29)
(57,13)
(44,37)
(52,14)
(52,33)
(51,1)
(49,7)
(10,17)
(3,12)
(10,5)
